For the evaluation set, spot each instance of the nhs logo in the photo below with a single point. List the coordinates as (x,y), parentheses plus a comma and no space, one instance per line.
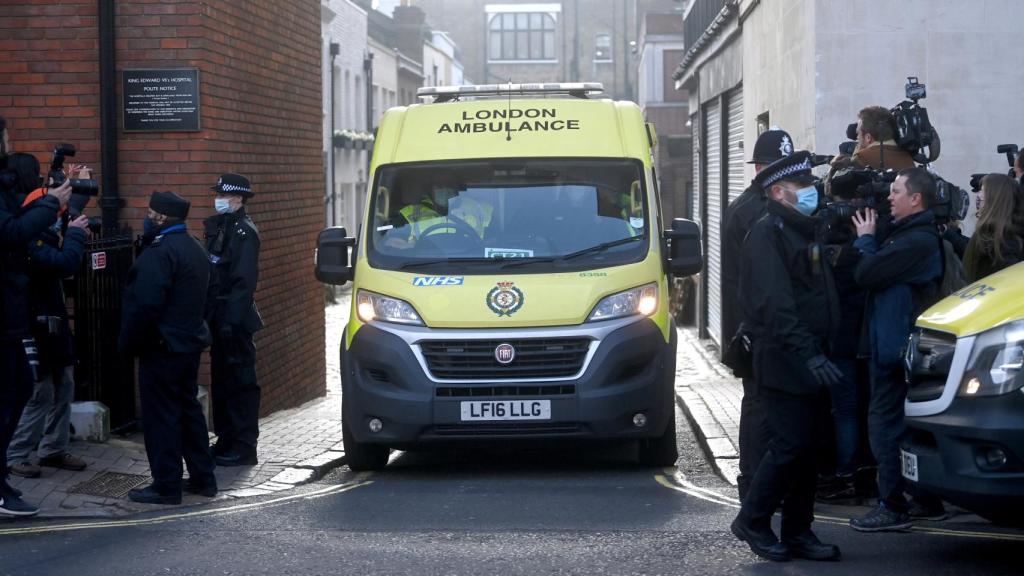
(437,281)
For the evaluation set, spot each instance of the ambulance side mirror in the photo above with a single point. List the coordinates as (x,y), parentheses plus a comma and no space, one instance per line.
(332,256)
(684,250)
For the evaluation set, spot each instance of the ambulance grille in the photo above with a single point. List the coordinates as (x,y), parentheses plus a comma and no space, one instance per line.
(534,358)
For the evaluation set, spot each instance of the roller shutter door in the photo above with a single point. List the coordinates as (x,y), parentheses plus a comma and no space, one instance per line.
(713,190)
(696,188)
(736,181)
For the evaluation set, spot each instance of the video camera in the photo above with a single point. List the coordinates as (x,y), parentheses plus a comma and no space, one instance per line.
(914,132)
(1011,151)
(866,188)
(83,187)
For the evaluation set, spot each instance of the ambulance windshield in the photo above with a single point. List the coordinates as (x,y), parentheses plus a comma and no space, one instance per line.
(526,214)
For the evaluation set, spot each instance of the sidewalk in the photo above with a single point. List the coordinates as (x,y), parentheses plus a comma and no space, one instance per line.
(297,446)
(710,396)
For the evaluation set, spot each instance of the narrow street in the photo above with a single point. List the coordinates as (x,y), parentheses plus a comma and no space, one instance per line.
(479,510)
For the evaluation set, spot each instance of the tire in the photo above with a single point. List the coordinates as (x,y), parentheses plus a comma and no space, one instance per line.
(362,456)
(662,450)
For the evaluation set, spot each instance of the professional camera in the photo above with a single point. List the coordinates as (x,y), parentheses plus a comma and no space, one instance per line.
(951,202)
(82,187)
(1011,151)
(976,181)
(914,132)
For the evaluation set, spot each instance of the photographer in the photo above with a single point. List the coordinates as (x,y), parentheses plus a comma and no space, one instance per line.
(997,242)
(18,226)
(902,274)
(46,417)
(876,144)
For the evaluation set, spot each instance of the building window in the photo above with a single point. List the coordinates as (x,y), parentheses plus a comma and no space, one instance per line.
(522,36)
(603,48)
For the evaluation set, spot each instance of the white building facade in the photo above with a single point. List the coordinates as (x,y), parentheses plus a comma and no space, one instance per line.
(809,66)
(346,140)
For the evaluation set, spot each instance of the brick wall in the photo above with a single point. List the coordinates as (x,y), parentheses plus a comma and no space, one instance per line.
(260,105)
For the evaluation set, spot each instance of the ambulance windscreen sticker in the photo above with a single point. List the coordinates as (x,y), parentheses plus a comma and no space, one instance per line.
(505,299)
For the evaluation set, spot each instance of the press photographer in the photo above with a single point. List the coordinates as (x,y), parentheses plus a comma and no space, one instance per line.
(18,226)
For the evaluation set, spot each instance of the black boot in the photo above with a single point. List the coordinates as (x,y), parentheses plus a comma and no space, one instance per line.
(150,495)
(807,546)
(239,455)
(762,542)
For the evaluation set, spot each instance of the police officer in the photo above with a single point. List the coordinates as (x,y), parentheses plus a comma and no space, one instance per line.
(233,246)
(739,217)
(788,302)
(162,323)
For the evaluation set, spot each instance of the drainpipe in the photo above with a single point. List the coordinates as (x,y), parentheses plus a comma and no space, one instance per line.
(368,74)
(110,202)
(335,48)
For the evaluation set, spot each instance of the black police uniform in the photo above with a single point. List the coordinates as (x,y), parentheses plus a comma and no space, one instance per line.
(789,303)
(18,227)
(162,323)
(739,217)
(233,246)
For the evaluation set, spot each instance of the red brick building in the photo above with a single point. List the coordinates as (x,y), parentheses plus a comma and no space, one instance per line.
(260,109)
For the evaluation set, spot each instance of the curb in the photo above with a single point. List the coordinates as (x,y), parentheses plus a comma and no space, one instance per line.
(712,438)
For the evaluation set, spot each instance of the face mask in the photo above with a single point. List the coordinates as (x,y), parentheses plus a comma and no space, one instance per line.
(149,227)
(222,205)
(806,200)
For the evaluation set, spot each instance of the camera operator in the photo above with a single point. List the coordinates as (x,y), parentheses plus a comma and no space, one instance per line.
(741,214)
(997,242)
(876,144)
(18,226)
(902,274)
(45,420)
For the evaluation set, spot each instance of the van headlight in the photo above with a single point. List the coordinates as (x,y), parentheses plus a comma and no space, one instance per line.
(373,306)
(641,300)
(995,364)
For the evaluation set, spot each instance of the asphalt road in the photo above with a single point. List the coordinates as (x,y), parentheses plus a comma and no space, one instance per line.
(486,510)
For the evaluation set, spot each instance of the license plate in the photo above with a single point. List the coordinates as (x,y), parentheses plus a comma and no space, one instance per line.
(506,410)
(908,466)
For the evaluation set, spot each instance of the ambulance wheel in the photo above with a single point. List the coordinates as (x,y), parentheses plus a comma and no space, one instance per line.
(362,456)
(661,451)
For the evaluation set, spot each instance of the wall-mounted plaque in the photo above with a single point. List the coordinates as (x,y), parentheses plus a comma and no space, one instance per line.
(160,100)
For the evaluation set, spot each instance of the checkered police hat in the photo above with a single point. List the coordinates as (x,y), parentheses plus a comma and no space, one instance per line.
(794,168)
(233,184)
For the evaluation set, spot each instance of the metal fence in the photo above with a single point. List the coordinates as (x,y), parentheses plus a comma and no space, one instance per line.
(103,374)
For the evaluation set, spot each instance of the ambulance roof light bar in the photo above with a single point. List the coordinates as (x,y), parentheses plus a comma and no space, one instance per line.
(448,93)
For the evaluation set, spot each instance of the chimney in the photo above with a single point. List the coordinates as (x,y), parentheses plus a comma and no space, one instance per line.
(410,26)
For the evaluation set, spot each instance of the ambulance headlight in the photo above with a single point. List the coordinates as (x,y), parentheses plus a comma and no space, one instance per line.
(641,300)
(995,366)
(372,306)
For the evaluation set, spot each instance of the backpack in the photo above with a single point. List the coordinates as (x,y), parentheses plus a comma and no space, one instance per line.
(953,276)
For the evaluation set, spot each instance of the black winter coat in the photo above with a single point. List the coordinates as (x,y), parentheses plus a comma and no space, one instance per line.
(49,263)
(18,227)
(233,246)
(163,301)
(788,297)
(740,216)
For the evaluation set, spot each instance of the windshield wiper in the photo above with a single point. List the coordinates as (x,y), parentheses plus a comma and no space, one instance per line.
(600,247)
(461,260)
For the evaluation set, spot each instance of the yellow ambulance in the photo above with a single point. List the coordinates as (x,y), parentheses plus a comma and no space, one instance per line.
(965,398)
(510,276)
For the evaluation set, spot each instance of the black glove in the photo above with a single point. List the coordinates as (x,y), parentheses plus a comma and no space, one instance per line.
(824,371)
(225,333)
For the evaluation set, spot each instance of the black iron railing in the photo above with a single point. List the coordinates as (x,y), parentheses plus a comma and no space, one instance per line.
(103,374)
